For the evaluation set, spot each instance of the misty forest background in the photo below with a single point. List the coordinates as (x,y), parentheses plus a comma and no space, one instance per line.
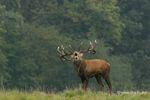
(31,30)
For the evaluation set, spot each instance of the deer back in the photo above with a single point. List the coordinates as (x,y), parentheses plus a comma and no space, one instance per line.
(96,66)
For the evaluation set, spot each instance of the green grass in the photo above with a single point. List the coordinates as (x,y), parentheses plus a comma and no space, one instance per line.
(76,94)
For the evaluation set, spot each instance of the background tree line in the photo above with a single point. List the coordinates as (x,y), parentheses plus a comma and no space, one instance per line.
(31,30)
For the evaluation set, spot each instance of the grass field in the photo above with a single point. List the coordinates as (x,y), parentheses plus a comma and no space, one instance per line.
(72,95)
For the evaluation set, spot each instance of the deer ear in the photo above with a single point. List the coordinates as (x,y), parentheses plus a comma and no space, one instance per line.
(71,56)
(81,54)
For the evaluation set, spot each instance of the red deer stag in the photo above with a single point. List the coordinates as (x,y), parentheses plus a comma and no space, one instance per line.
(87,68)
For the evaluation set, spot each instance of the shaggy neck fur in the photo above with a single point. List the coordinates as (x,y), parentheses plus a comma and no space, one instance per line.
(79,66)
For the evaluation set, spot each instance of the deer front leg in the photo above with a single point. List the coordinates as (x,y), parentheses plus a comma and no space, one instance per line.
(84,83)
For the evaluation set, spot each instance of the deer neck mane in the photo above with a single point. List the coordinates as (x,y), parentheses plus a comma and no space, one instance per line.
(79,66)
(78,63)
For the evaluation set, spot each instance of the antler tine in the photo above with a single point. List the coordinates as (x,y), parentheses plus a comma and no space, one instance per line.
(96,41)
(88,49)
(79,49)
(91,43)
(58,48)
(59,51)
(95,44)
(70,47)
(91,48)
(62,47)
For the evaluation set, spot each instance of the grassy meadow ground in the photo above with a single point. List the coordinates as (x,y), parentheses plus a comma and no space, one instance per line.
(72,95)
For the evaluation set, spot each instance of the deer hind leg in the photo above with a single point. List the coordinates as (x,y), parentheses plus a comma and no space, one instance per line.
(99,81)
(107,79)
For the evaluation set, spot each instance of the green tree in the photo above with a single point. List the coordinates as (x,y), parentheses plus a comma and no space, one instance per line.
(135,42)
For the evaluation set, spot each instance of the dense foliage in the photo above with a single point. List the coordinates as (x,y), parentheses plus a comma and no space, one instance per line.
(31,30)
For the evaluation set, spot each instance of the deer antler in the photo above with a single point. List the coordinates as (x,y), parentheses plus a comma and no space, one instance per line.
(80,46)
(71,48)
(62,54)
(91,48)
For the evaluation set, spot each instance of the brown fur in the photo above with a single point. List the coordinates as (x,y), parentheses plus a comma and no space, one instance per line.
(88,68)
(93,68)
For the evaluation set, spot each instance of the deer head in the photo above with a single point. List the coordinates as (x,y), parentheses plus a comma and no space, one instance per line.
(75,55)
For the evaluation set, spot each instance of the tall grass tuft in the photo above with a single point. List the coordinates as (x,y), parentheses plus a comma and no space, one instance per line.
(75,94)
